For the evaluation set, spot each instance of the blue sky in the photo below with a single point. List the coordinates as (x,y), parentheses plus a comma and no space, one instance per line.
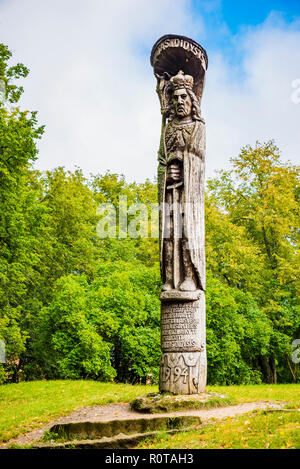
(93,87)
(225,19)
(238,14)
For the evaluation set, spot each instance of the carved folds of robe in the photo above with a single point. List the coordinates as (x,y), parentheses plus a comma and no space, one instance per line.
(184,144)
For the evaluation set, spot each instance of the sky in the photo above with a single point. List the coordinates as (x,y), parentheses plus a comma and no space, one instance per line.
(93,86)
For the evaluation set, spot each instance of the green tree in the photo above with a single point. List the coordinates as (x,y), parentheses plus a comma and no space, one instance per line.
(67,245)
(112,188)
(68,343)
(19,132)
(102,329)
(230,254)
(261,195)
(237,334)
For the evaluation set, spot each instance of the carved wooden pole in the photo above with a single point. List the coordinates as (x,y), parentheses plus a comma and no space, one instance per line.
(179,65)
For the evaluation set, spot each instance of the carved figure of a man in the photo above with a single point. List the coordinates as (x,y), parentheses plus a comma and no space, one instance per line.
(181,189)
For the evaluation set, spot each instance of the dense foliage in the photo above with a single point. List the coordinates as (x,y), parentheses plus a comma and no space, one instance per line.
(75,305)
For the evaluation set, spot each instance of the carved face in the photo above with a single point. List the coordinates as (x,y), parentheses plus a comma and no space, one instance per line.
(182,103)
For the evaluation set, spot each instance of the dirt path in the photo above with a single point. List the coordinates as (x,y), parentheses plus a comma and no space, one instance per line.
(123,411)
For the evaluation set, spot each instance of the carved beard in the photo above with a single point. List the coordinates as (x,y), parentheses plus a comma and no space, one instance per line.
(183,111)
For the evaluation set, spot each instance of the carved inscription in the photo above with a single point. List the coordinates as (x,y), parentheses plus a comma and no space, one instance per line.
(181,327)
(183,372)
(186,45)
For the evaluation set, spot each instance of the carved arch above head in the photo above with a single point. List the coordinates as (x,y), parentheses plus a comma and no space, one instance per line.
(172,53)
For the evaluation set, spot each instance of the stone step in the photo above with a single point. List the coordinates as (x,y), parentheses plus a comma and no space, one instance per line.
(111,428)
(121,433)
(120,441)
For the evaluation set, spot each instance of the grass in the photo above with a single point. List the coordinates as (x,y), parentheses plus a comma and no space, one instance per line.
(27,406)
(260,430)
(289,393)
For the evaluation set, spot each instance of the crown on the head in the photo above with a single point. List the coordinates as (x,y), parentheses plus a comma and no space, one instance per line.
(182,81)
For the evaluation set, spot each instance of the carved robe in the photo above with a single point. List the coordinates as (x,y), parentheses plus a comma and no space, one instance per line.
(189,147)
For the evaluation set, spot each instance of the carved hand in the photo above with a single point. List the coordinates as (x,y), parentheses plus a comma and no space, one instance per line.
(174,173)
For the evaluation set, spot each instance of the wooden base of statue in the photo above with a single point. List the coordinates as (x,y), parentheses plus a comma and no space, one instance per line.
(183,361)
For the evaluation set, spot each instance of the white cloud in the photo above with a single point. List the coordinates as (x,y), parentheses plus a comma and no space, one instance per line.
(256,104)
(94,88)
(91,84)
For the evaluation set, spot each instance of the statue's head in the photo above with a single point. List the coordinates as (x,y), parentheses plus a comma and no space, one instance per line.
(184,101)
